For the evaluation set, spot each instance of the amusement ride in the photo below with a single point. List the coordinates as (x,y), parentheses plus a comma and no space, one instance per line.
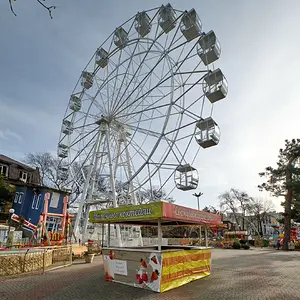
(146,95)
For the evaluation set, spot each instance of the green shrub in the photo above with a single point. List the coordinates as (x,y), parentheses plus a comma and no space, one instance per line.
(246,247)
(236,245)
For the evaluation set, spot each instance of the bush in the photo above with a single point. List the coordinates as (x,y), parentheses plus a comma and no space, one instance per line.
(243,242)
(297,246)
(236,245)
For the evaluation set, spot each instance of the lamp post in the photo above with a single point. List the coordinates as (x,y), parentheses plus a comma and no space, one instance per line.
(198,198)
(8,239)
(198,201)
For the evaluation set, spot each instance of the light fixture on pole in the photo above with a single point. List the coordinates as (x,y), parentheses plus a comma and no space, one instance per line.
(198,198)
(8,239)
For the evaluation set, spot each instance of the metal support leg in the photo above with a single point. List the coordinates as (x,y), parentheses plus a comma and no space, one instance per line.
(159,234)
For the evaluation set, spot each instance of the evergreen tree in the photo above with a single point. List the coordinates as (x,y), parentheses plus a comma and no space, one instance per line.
(284,180)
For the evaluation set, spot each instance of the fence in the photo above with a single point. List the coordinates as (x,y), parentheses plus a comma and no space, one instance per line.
(34,260)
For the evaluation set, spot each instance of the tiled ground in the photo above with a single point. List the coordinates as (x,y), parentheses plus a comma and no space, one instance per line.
(236,274)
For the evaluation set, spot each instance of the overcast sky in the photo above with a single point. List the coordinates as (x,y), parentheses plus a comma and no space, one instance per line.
(41,60)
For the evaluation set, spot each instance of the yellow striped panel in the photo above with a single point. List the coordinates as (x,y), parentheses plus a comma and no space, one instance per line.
(183,266)
(184,252)
(187,265)
(182,281)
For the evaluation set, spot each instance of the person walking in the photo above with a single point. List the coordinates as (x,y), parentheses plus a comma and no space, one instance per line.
(278,244)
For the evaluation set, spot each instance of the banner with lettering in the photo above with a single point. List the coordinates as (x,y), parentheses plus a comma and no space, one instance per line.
(185,214)
(127,213)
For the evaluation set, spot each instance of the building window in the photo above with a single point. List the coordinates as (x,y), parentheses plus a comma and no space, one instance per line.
(38,201)
(33,201)
(23,176)
(54,200)
(16,197)
(4,170)
(20,198)
(29,176)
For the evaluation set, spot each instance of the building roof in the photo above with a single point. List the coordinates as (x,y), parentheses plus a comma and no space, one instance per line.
(43,187)
(9,160)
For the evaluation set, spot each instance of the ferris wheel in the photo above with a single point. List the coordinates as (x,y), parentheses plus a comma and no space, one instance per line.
(141,105)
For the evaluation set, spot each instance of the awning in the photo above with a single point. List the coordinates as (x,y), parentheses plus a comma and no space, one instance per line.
(148,214)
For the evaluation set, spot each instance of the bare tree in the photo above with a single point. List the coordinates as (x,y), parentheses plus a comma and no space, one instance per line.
(258,210)
(244,201)
(228,202)
(154,195)
(47,165)
(211,209)
(41,2)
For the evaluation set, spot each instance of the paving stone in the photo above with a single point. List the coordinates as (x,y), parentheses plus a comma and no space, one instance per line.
(236,274)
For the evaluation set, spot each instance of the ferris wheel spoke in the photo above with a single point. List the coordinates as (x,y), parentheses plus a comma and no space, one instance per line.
(134,75)
(80,138)
(139,68)
(147,73)
(146,120)
(147,132)
(124,77)
(115,98)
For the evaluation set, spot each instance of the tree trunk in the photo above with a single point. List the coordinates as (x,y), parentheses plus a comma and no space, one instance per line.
(287,219)
(244,219)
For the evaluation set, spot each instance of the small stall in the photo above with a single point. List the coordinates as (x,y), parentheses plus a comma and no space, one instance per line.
(157,268)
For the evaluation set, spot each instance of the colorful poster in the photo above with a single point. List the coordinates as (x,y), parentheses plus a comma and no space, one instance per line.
(141,270)
(148,273)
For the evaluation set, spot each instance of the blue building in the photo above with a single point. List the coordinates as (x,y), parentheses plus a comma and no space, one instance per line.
(29,203)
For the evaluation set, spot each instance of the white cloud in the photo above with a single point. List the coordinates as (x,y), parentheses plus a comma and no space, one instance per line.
(6,135)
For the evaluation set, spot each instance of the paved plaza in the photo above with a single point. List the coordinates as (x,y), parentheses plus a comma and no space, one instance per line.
(236,274)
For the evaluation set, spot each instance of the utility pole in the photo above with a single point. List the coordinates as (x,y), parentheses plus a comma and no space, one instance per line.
(198,198)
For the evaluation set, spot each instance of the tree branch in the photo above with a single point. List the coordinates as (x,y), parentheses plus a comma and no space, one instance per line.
(49,8)
(11,7)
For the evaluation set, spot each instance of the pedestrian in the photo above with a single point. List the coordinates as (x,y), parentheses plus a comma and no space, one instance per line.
(278,244)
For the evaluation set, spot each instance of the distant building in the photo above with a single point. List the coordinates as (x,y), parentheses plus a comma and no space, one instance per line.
(251,223)
(29,203)
(18,173)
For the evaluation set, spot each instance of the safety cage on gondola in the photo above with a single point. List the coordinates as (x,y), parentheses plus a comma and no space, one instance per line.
(101,58)
(209,48)
(207,133)
(142,23)
(215,86)
(62,150)
(75,103)
(120,37)
(67,127)
(87,80)
(186,177)
(62,173)
(167,18)
(190,25)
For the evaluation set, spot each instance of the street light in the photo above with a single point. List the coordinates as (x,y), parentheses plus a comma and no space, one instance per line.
(8,239)
(198,198)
